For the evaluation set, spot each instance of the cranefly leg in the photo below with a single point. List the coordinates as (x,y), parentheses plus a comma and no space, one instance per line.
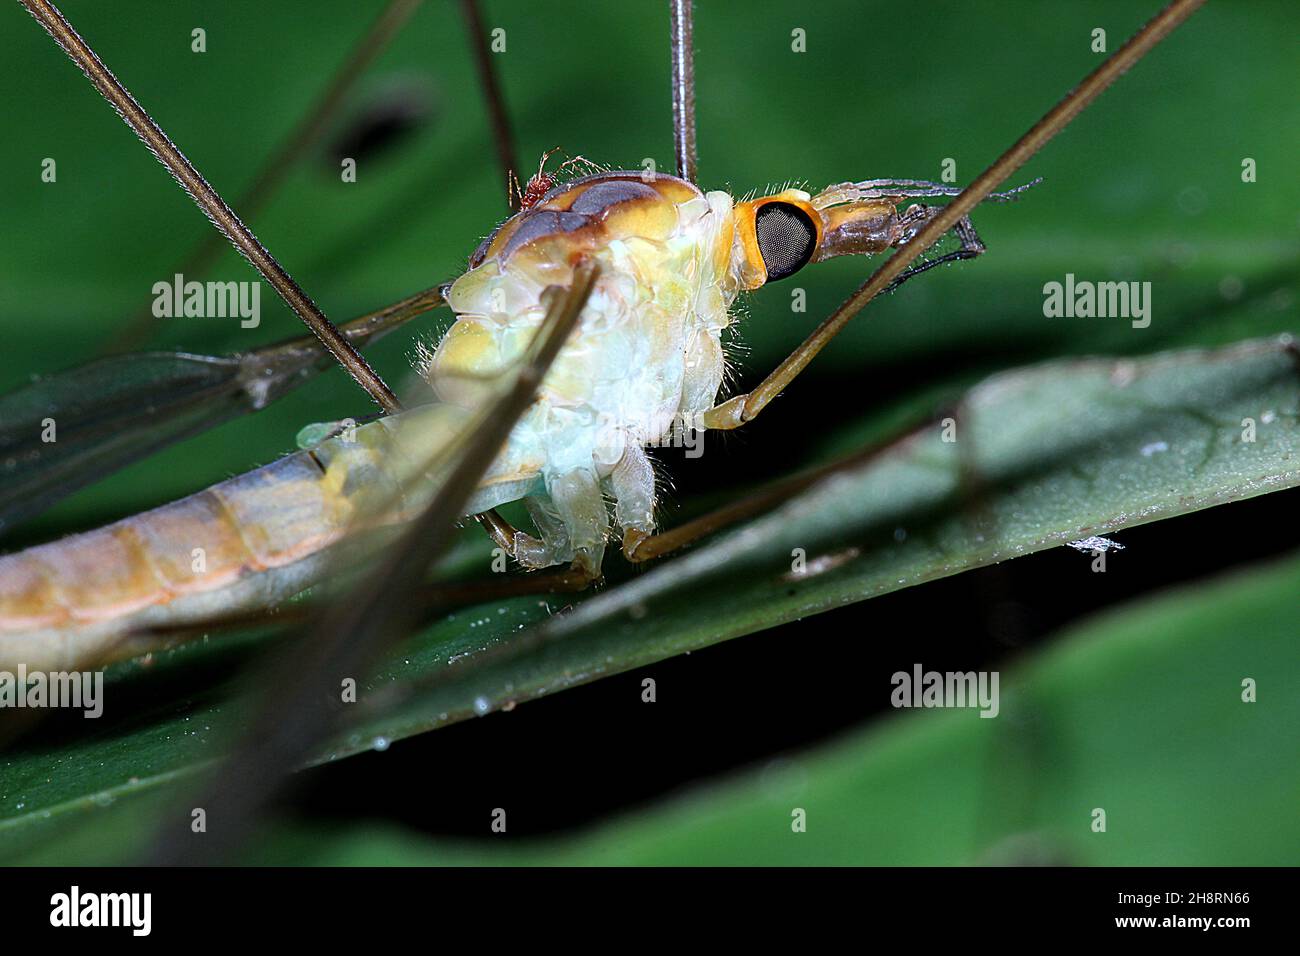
(683,52)
(914,219)
(555,545)
(740,409)
(305,134)
(514,542)
(581,506)
(640,547)
(934,223)
(633,484)
(207,199)
(498,116)
(643,547)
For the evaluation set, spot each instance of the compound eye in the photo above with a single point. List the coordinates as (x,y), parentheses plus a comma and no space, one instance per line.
(787,238)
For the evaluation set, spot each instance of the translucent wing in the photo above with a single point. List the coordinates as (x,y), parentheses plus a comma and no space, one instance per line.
(64,432)
(349,635)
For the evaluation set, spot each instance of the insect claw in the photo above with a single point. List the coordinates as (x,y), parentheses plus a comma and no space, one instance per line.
(1011,195)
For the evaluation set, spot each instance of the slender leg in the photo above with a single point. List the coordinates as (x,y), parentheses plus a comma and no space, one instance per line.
(502,533)
(495,99)
(554,546)
(271,175)
(683,51)
(971,244)
(639,546)
(970,490)
(207,199)
(743,408)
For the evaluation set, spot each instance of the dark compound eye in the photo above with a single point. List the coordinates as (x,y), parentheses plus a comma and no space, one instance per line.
(786,238)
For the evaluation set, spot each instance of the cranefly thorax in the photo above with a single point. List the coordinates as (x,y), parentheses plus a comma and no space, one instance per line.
(647,351)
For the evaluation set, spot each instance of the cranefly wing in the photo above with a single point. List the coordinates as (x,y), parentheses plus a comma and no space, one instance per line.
(347,636)
(68,430)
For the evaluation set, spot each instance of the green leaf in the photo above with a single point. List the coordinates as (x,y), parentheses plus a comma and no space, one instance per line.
(1138,712)
(1042,457)
(1051,455)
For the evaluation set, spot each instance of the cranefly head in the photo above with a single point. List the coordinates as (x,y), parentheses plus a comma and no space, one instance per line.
(778,235)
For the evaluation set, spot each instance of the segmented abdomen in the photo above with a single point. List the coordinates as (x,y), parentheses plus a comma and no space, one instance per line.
(245,543)
(64,603)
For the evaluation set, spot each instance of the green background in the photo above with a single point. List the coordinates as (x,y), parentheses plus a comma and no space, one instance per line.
(1146,186)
